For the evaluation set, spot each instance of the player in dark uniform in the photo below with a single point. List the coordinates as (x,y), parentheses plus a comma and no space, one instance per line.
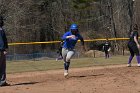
(3,47)
(134,46)
(107,48)
(59,52)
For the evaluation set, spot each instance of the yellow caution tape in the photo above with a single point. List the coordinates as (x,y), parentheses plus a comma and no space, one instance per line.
(51,42)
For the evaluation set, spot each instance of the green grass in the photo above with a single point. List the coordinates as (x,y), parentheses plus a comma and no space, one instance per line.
(26,66)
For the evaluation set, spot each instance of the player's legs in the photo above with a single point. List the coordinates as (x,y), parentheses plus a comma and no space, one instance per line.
(67,55)
(67,63)
(136,51)
(64,54)
(61,53)
(106,53)
(131,55)
(2,69)
(59,56)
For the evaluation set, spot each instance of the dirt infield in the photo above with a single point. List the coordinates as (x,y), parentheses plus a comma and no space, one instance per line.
(106,79)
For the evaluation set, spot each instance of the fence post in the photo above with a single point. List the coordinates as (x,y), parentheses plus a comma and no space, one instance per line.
(94,53)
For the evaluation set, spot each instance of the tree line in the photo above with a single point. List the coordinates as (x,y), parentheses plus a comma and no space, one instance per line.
(48,20)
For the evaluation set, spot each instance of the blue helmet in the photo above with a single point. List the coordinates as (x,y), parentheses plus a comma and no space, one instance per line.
(74,26)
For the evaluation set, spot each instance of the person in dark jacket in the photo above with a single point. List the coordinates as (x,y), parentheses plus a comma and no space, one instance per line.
(106,48)
(3,52)
(134,46)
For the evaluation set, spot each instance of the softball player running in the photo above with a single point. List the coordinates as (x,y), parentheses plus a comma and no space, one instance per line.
(134,46)
(70,39)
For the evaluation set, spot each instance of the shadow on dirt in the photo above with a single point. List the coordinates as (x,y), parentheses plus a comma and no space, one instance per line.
(83,76)
(26,83)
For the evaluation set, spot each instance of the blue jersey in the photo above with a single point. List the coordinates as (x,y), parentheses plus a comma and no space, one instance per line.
(69,43)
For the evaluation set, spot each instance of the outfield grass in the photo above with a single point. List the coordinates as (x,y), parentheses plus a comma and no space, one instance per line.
(43,65)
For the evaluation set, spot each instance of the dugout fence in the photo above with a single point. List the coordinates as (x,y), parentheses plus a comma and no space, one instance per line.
(36,56)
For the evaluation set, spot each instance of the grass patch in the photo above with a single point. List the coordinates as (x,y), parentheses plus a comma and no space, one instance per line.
(43,65)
